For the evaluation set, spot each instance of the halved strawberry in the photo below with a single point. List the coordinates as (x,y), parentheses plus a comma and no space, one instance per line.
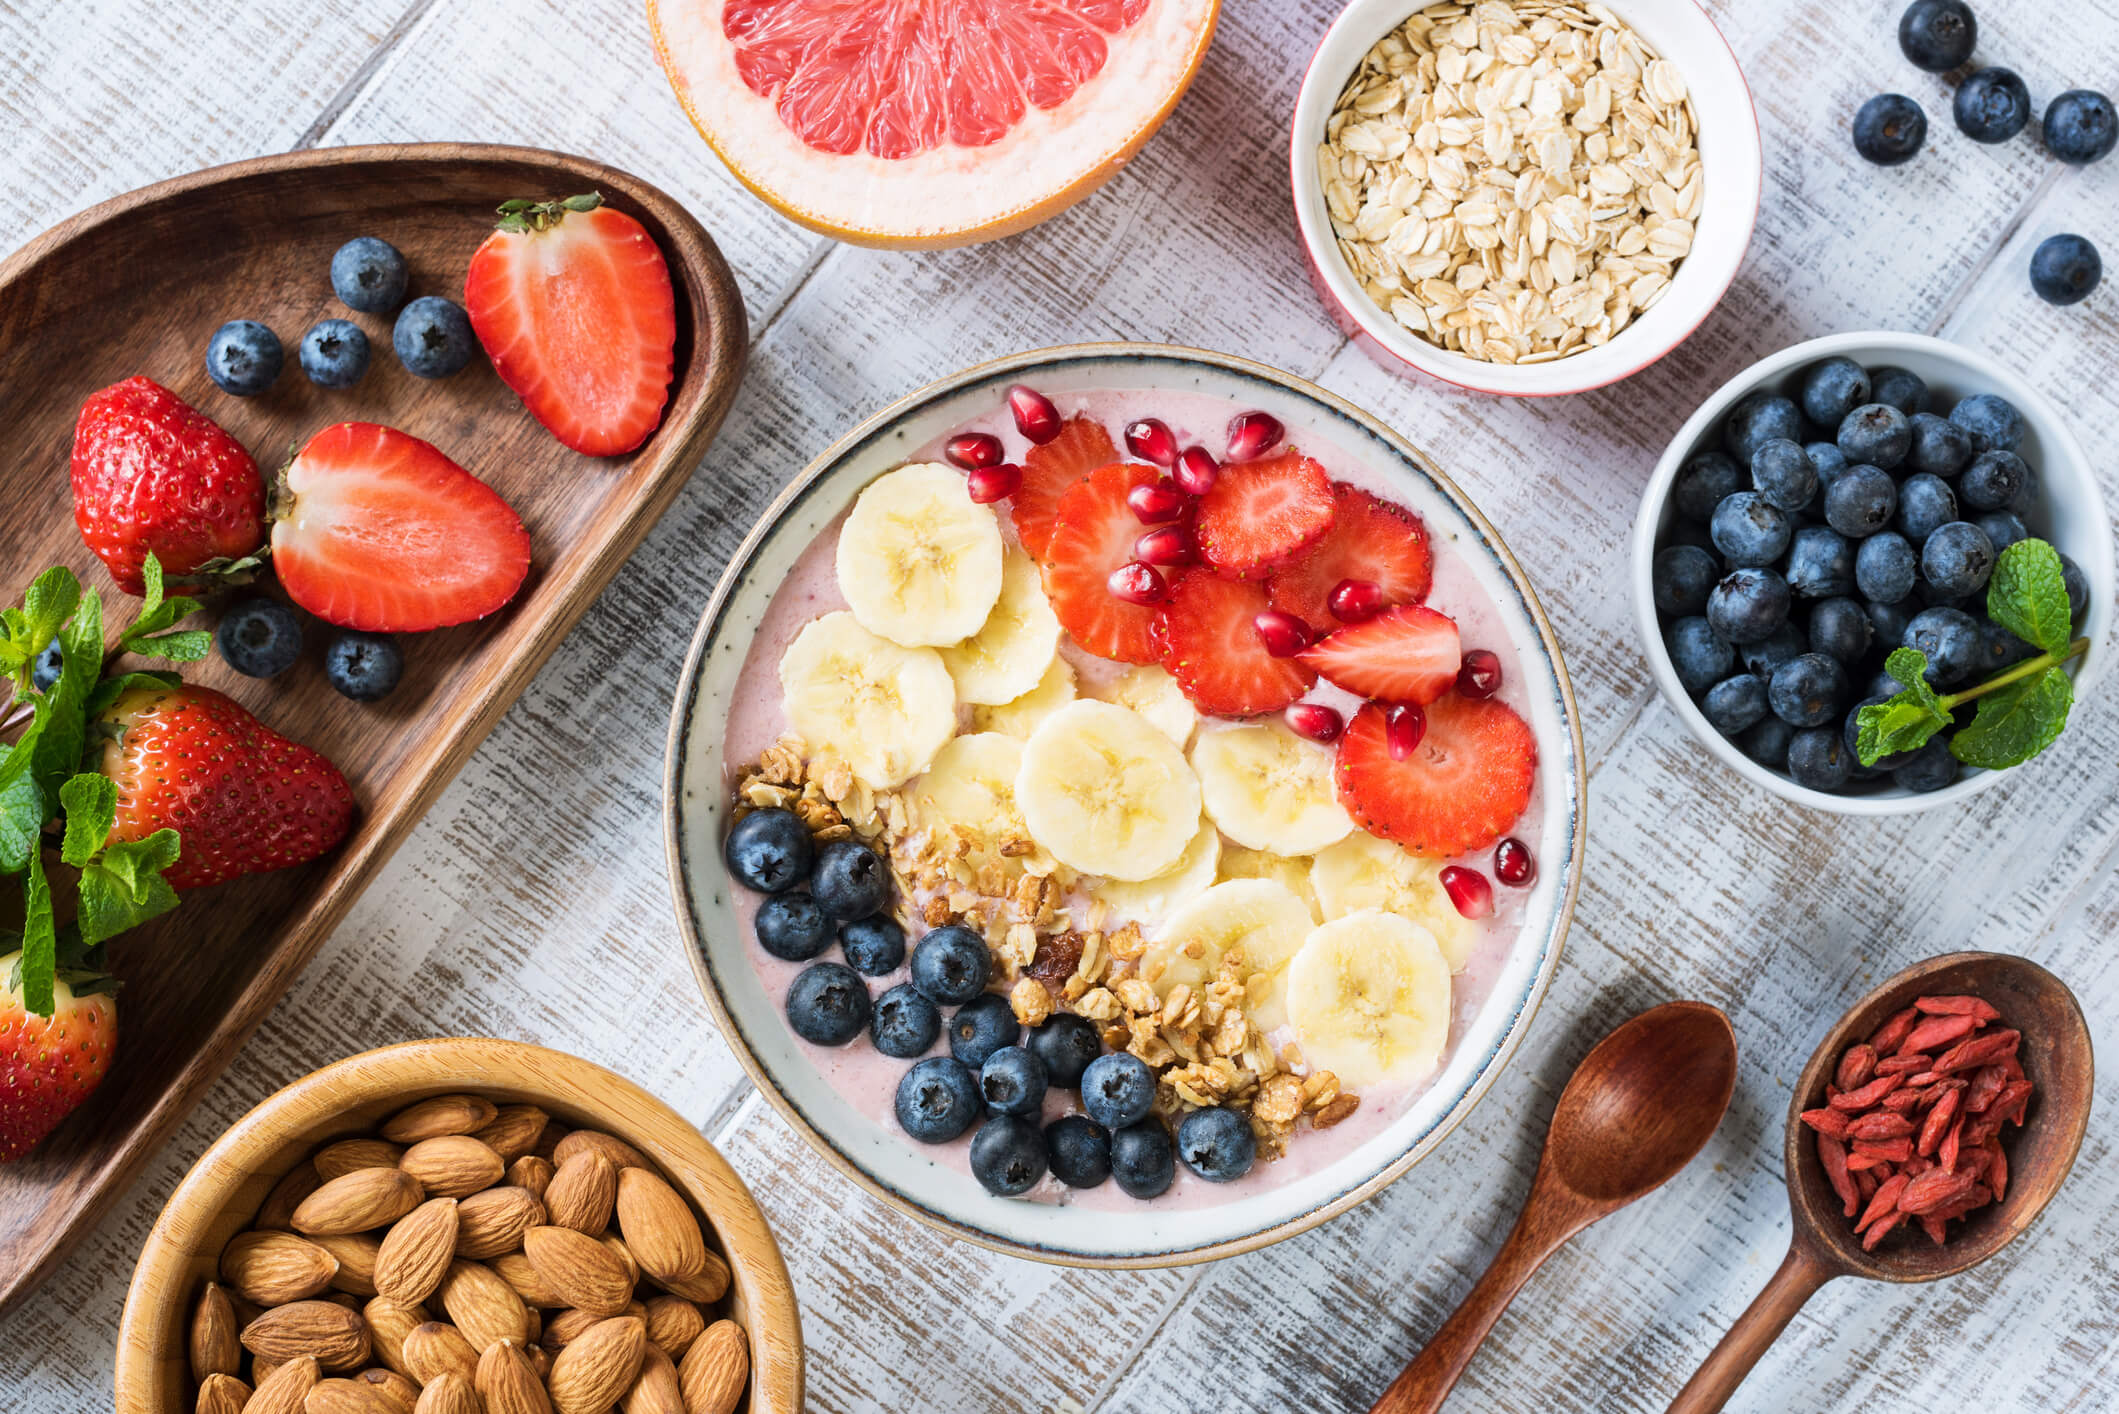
(1370,540)
(1406,654)
(1210,644)
(1092,534)
(375,529)
(1263,514)
(572,302)
(1080,448)
(1463,787)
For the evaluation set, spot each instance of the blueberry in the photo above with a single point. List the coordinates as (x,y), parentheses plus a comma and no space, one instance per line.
(1832,389)
(364,666)
(1808,690)
(1887,620)
(1693,533)
(1992,105)
(905,1024)
(1819,760)
(334,353)
(1993,421)
(938,1099)
(1898,388)
(1733,704)
(1762,658)
(769,850)
(1217,1144)
(1080,1151)
(1998,481)
(44,673)
(1066,1044)
(874,946)
(828,1004)
(1861,502)
(2003,528)
(259,638)
(1830,461)
(1882,685)
(244,358)
(1782,473)
(1013,1081)
(1930,768)
(981,1027)
(1820,563)
(1840,629)
(1747,606)
(2077,585)
(1950,638)
(850,880)
(2064,269)
(1767,742)
(1008,1155)
(1702,485)
(1681,578)
(2081,127)
(951,965)
(1889,129)
(1850,736)
(1876,434)
(1117,1090)
(1998,649)
(1940,447)
(432,337)
(1759,419)
(1958,558)
(1697,656)
(369,275)
(1937,35)
(1142,1160)
(790,926)
(1925,505)
(1885,567)
(1750,529)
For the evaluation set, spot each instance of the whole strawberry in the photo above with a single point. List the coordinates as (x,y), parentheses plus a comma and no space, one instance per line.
(243,798)
(151,472)
(49,1065)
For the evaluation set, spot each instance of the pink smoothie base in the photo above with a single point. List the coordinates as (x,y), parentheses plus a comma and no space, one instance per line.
(865,1078)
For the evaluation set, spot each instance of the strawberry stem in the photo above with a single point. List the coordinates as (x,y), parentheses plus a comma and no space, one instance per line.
(522,216)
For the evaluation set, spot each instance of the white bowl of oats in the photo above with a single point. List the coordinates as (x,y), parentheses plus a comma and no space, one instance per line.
(1524,197)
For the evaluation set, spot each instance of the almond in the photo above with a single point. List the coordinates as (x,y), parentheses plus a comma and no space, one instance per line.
(509,1383)
(356,1254)
(673,1323)
(514,1131)
(360,1201)
(451,1394)
(705,1287)
(615,1245)
(443,1114)
(621,1154)
(286,1195)
(548,1142)
(389,1322)
(493,1222)
(540,1361)
(484,1307)
(336,1337)
(338,1160)
(583,1190)
(566,1327)
(532,1173)
(222,1394)
(659,1229)
(274,1268)
(416,1252)
(400,1391)
(514,1268)
(598,1366)
(536,1329)
(581,1271)
(347,1397)
(716,1369)
(436,1349)
(453,1165)
(212,1339)
(655,1390)
(282,1391)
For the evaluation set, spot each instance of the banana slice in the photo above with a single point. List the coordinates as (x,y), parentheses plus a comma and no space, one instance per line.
(970,791)
(1150,901)
(1269,789)
(1007,656)
(1291,874)
(1369,998)
(1263,918)
(886,708)
(1021,717)
(1154,694)
(919,561)
(1106,793)
(1362,871)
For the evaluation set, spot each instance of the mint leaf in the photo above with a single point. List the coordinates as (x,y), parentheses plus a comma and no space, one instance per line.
(1906,721)
(125,888)
(21,820)
(40,945)
(2028,596)
(2016,722)
(64,734)
(186,645)
(148,632)
(91,804)
(31,628)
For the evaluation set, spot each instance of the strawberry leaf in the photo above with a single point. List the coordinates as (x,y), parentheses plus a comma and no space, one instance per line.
(125,888)
(112,688)
(39,940)
(91,804)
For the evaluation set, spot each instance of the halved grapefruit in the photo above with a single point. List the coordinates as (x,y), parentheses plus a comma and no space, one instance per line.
(928,122)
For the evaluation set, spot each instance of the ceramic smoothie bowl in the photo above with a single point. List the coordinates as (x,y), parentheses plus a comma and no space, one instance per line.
(1095,938)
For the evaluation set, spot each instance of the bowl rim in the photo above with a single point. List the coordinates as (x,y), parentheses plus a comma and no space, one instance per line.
(2053,431)
(688,923)
(771,1320)
(1381,334)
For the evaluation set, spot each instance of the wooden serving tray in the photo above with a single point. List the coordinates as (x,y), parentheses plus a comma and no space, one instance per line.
(138,285)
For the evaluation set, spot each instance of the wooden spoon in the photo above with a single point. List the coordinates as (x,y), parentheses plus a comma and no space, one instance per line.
(2055,1053)
(1636,1110)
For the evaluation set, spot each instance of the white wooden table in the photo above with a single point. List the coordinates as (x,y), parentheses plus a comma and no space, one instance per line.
(532,902)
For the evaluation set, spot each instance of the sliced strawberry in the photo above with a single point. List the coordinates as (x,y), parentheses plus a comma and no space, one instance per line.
(1462,788)
(1211,646)
(1080,448)
(375,529)
(1092,534)
(1263,514)
(1370,540)
(572,302)
(1406,654)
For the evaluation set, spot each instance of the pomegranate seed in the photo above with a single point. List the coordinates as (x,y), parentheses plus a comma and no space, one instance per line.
(1480,676)
(971,450)
(1468,890)
(1284,635)
(1315,721)
(988,484)
(1150,439)
(1513,864)
(1403,728)
(1253,434)
(1137,583)
(1167,545)
(1353,600)
(1155,502)
(1035,416)
(1196,470)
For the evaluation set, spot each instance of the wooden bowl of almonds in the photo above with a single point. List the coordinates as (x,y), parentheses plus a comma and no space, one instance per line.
(460,1227)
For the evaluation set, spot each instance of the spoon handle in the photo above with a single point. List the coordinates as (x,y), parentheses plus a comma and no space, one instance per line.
(1798,1279)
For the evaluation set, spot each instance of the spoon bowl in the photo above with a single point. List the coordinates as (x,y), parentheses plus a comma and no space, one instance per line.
(1643,1103)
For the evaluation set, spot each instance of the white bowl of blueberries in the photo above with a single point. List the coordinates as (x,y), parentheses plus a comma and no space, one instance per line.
(1851,496)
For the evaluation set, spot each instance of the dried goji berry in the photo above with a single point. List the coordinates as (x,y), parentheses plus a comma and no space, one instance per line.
(1938,1031)
(1856,1068)
(1892,1034)
(1956,1006)
(1938,1122)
